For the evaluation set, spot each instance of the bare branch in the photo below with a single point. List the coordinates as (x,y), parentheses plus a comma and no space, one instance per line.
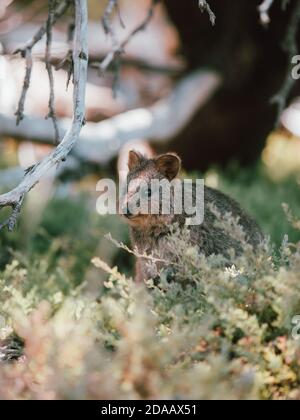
(15,197)
(109,30)
(118,48)
(106,20)
(28,60)
(59,11)
(11,222)
(67,61)
(11,176)
(203,4)
(264,9)
(51,113)
(61,57)
(291,47)
(100,142)
(26,52)
(134,251)
(170,70)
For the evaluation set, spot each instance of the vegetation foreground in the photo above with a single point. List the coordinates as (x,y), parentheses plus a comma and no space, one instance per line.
(216,331)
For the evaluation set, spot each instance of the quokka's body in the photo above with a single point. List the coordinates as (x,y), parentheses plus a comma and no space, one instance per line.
(149,232)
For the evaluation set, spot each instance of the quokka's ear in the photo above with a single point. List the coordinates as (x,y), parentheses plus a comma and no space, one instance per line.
(134,160)
(169,165)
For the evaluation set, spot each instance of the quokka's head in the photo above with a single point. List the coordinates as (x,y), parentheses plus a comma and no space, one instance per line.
(148,186)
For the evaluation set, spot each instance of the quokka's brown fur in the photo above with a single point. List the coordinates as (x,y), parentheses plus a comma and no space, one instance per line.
(149,233)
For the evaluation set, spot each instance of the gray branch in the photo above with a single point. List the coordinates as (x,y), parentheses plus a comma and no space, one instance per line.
(119,47)
(100,142)
(26,52)
(15,197)
(51,105)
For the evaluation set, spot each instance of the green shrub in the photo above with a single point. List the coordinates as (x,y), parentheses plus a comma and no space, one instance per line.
(215,331)
(203,329)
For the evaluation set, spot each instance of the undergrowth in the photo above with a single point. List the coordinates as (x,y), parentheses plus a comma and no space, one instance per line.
(214,331)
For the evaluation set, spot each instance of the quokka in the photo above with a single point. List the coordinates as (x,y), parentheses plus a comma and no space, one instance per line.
(149,232)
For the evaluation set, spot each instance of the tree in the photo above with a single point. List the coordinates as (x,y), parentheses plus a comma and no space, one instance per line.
(237,53)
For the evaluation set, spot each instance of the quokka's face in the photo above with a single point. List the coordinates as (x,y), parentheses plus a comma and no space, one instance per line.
(142,201)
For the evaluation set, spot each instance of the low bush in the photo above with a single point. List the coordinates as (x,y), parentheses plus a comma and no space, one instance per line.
(210,330)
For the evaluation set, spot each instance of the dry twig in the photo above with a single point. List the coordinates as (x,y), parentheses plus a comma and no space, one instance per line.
(51,105)
(100,142)
(26,52)
(136,252)
(118,47)
(67,61)
(14,198)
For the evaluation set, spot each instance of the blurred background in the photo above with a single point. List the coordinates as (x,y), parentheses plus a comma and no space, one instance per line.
(183,85)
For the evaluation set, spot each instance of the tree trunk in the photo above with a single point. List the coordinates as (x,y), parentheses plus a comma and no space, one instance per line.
(236,122)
